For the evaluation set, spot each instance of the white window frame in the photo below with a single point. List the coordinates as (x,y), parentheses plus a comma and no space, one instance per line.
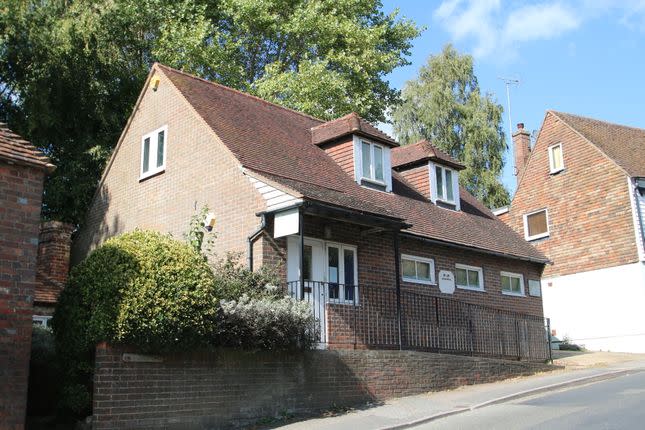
(526,225)
(552,169)
(533,290)
(416,259)
(42,320)
(358,163)
(341,271)
(152,158)
(512,275)
(434,195)
(472,269)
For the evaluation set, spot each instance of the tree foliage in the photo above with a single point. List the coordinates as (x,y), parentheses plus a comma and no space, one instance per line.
(444,104)
(70,71)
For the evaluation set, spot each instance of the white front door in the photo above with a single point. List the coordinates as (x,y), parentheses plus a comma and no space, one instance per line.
(313,275)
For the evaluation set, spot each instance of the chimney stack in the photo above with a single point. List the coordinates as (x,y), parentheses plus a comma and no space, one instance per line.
(521,148)
(54,246)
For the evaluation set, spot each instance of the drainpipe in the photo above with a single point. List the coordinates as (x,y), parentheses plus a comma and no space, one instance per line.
(640,183)
(252,239)
(397,273)
(301,225)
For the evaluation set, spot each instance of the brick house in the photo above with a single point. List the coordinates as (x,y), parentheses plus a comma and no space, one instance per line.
(580,201)
(354,221)
(22,171)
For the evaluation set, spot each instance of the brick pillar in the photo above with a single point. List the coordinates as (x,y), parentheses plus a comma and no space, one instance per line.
(521,149)
(54,245)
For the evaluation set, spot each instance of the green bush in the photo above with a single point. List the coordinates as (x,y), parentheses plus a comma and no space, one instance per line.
(141,288)
(235,280)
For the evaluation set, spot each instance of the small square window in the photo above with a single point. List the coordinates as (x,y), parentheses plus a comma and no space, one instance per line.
(512,284)
(534,288)
(153,152)
(417,269)
(536,225)
(556,159)
(469,277)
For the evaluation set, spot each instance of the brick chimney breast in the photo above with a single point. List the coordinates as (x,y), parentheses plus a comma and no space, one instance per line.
(521,148)
(53,251)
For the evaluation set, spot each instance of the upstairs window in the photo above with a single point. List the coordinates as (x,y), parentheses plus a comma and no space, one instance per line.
(536,225)
(417,269)
(556,161)
(372,162)
(444,186)
(372,165)
(512,284)
(153,152)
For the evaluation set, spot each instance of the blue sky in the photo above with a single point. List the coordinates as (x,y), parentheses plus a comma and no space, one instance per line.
(585,57)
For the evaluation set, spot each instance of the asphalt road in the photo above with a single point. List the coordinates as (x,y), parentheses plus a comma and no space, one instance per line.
(612,404)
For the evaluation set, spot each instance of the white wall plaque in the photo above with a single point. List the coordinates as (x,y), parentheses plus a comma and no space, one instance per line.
(446,282)
(286,223)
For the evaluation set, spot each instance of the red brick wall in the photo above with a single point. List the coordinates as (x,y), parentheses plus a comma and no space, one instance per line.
(229,388)
(20,201)
(419,178)
(342,152)
(199,170)
(588,204)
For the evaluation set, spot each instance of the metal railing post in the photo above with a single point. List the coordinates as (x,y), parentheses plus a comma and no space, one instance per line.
(470,328)
(397,273)
(548,331)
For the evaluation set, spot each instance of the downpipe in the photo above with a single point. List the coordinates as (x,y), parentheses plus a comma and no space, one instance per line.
(252,238)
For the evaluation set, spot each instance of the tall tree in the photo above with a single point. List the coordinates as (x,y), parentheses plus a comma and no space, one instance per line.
(445,105)
(70,71)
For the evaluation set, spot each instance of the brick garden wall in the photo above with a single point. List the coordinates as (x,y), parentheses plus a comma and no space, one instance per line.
(230,388)
(20,199)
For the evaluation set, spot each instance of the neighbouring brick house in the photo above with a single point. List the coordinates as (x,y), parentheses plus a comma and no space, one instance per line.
(580,201)
(338,205)
(22,171)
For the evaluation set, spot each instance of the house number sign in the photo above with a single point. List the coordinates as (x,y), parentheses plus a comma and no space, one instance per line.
(446,282)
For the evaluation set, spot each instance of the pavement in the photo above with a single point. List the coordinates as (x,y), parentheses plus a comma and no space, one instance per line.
(408,412)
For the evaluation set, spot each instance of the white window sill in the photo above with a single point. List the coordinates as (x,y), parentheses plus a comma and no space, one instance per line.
(510,293)
(463,287)
(152,173)
(419,281)
(374,181)
(553,172)
(537,236)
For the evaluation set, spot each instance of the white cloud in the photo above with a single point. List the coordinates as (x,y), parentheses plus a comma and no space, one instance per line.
(497,29)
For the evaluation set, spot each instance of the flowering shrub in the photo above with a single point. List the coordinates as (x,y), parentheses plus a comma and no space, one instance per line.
(267,323)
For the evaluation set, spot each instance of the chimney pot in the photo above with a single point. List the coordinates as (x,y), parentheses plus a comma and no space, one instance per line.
(520,126)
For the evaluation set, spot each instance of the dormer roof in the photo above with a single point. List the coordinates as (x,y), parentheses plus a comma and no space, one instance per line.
(422,151)
(347,125)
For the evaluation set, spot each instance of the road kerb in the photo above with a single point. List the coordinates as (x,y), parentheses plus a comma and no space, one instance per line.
(526,393)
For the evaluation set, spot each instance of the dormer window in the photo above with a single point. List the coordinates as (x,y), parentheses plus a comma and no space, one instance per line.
(153,152)
(444,186)
(372,160)
(372,164)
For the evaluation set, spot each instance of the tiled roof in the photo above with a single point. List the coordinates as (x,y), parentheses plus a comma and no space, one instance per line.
(277,143)
(15,149)
(623,144)
(47,291)
(422,151)
(346,125)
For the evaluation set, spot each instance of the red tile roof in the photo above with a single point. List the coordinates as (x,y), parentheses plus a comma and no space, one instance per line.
(623,144)
(276,143)
(346,125)
(420,152)
(15,149)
